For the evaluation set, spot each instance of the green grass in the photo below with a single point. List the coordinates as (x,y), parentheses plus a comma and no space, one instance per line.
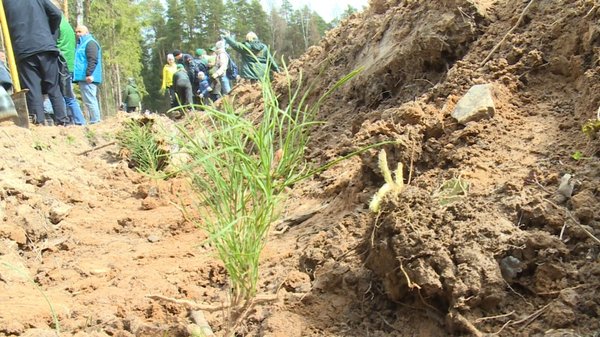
(41,146)
(91,136)
(71,140)
(239,168)
(146,152)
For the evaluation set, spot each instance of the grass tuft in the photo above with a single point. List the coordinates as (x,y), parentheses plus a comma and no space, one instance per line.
(239,169)
(144,149)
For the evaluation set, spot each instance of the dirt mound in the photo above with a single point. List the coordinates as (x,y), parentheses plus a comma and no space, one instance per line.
(508,250)
(478,241)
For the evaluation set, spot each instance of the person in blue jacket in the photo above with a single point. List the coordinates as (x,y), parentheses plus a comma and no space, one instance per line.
(204,88)
(87,71)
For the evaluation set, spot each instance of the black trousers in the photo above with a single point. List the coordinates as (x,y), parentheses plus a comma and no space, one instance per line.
(184,94)
(39,74)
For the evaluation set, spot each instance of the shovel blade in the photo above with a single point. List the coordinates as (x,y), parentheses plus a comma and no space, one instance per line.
(21,117)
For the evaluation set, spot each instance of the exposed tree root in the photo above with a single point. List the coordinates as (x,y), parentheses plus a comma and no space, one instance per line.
(201,325)
(462,323)
(575,221)
(238,313)
(96,148)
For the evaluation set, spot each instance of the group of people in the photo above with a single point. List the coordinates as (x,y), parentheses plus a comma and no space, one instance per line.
(209,76)
(50,56)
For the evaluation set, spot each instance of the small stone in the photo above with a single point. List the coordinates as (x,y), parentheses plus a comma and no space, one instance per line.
(153,238)
(99,271)
(510,266)
(476,104)
(58,212)
(150,203)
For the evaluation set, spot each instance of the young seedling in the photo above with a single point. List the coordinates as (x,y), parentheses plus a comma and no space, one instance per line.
(391,186)
(143,147)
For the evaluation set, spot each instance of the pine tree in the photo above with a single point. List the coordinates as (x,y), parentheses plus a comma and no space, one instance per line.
(259,21)
(117,29)
(174,27)
(214,17)
(165,25)
(277,34)
(191,24)
(155,43)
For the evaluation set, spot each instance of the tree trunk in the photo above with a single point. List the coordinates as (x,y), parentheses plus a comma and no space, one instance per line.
(118,86)
(79,11)
(304,27)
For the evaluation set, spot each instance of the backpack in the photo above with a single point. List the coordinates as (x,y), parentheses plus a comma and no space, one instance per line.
(232,69)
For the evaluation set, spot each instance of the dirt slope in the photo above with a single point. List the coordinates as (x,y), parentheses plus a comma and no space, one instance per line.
(508,258)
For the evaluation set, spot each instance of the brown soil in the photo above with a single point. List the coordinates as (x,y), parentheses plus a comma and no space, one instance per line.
(93,238)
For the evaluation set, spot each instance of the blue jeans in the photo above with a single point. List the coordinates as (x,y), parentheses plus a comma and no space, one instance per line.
(74,111)
(88,95)
(225,85)
(73,108)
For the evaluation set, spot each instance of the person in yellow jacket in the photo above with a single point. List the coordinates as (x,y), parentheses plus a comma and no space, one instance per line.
(167,79)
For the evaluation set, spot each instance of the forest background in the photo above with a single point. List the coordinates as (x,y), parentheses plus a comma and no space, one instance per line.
(137,35)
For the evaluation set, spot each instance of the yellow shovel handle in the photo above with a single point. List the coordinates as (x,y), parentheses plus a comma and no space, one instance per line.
(9,50)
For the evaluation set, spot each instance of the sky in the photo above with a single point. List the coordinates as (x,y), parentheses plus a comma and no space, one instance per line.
(327,9)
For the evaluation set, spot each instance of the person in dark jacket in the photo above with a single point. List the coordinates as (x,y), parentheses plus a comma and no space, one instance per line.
(201,60)
(131,96)
(192,70)
(33,26)
(201,66)
(183,86)
(255,56)
(180,57)
(87,71)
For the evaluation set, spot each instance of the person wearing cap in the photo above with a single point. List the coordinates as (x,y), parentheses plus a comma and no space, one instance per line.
(167,78)
(255,56)
(180,56)
(201,60)
(222,62)
(204,88)
(199,65)
(183,86)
